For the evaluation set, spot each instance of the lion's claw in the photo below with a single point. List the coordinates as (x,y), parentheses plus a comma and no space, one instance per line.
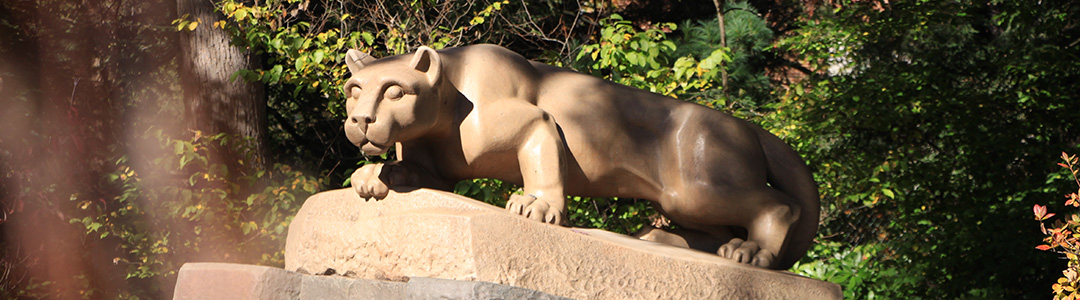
(367,184)
(535,209)
(518,203)
(746,252)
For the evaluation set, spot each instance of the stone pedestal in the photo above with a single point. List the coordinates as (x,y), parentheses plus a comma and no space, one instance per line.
(214,281)
(235,281)
(426,233)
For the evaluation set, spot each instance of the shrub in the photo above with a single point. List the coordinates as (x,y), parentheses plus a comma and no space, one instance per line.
(1063,236)
(195,201)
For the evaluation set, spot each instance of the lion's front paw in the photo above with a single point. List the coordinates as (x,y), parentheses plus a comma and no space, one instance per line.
(536,209)
(367,184)
(747,252)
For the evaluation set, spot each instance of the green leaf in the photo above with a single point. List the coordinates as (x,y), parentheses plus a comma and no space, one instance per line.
(249,226)
(241,13)
(185,159)
(888,193)
(368,38)
(300,62)
(275,74)
(632,58)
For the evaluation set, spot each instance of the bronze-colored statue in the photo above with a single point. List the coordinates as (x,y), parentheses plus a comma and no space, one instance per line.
(484,111)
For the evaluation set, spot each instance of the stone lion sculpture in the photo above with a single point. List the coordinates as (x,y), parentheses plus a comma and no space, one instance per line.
(484,111)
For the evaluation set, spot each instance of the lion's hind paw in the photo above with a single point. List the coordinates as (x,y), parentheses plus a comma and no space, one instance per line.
(746,252)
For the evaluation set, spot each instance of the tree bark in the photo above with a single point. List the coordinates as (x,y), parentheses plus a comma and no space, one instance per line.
(213,103)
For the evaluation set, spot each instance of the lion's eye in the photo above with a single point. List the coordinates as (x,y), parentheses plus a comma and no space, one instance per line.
(355,92)
(393,93)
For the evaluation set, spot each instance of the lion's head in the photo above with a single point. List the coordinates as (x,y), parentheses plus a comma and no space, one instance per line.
(392,99)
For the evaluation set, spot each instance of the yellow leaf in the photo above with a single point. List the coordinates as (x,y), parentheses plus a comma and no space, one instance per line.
(193,25)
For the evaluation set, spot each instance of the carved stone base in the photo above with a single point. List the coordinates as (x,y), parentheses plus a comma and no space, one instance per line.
(213,281)
(426,233)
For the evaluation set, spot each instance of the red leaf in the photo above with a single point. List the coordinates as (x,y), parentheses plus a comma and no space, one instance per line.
(1043,247)
(1039,211)
(1047,216)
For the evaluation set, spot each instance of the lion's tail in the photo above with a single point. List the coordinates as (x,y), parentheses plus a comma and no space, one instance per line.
(789,174)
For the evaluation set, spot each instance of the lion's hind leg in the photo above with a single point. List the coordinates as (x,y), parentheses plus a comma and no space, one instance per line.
(766,214)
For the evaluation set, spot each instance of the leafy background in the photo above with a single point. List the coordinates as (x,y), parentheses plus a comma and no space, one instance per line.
(932,127)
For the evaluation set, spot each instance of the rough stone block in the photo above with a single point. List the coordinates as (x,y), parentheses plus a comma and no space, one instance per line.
(234,281)
(426,233)
(317,287)
(422,288)
(210,281)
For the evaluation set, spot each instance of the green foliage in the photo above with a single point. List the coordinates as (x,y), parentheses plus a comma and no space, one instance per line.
(927,125)
(748,38)
(186,202)
(631,57)
(303,71)
(647,60)
(622,215)
(492,191)
(34,288)
(854,269)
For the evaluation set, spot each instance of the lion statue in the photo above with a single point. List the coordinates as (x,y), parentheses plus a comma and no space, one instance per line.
(483,111)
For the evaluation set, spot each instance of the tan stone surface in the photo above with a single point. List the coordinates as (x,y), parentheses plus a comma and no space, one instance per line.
(428,233)
(209,281)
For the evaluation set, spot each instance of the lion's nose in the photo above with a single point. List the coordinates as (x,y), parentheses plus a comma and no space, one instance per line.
(365,118)
(355,132)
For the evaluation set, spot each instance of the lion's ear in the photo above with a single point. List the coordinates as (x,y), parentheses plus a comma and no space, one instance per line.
(426,60)
(356,60)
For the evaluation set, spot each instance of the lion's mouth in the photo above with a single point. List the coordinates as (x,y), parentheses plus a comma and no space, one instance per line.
(372,148)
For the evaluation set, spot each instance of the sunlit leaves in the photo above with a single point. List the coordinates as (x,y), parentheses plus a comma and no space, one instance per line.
(194,203)
(184,24)
(646,59)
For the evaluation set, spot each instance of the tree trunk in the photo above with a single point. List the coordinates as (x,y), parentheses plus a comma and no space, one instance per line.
(723,43)
(213,103)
